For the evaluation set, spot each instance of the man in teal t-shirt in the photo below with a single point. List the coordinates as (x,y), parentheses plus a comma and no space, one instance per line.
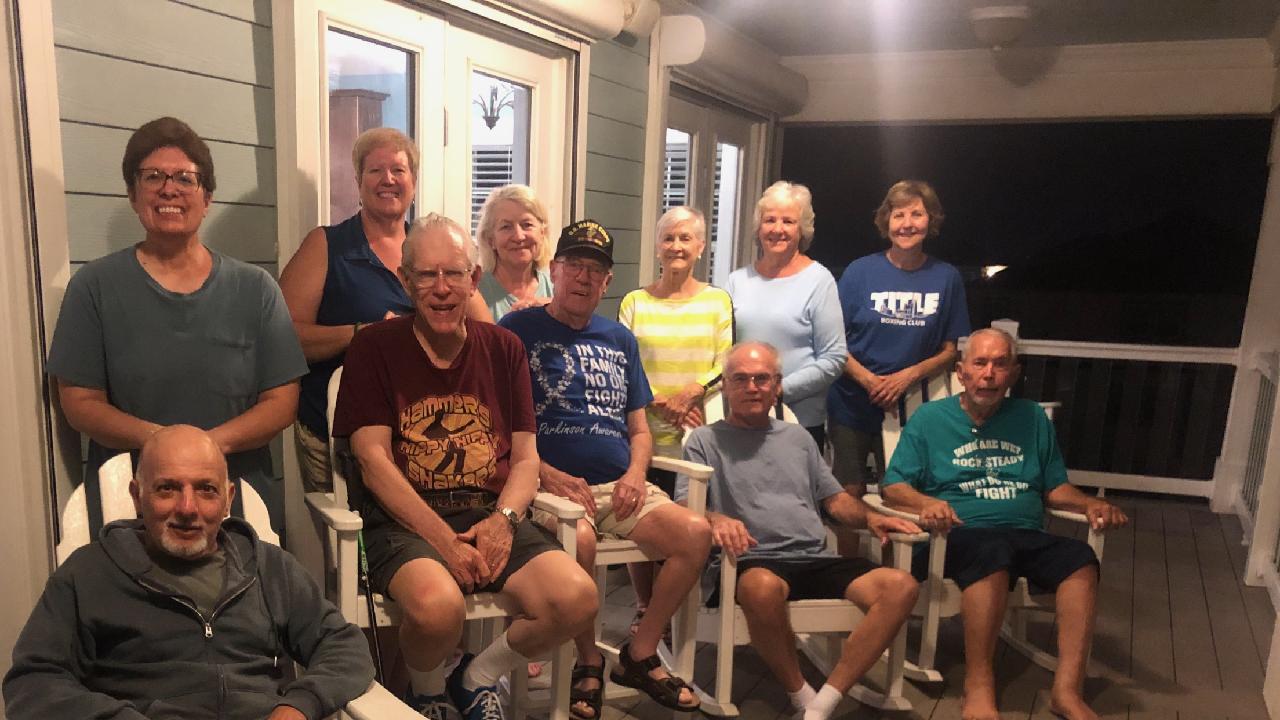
(981,468)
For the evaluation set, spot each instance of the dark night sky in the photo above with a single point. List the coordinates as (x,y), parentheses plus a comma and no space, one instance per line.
(1157,217)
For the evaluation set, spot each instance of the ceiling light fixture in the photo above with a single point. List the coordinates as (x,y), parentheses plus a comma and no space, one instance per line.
(998,26)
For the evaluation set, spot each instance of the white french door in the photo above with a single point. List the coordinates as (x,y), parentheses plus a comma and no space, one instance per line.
(508,115)
(486,105)
(711,163)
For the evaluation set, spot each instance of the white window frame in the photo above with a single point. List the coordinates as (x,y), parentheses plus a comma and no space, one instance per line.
(31,200)
(708,125)
(755,166)
(300,147)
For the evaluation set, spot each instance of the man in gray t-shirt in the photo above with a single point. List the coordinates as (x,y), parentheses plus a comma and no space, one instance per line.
(764,504)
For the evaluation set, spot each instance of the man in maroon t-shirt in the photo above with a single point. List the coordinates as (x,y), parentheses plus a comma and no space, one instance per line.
(440,416)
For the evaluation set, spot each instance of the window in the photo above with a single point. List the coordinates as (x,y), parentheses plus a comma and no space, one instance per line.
(487,105)
(707,148)
(371,85)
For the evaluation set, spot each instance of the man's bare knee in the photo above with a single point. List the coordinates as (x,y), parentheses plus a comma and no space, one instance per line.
(760,591)
(432,605)
(677,531)
(898,588)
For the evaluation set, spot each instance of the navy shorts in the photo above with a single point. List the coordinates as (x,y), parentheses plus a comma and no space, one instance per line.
(389,545)
(1044,559)
(816,578)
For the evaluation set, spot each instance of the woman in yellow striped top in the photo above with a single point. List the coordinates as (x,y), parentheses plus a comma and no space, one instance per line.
(684,328)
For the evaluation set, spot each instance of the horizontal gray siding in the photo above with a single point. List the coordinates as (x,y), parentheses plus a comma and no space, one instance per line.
(121,63)
(616,102)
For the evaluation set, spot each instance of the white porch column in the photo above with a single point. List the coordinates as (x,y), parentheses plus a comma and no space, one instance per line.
(1261,333)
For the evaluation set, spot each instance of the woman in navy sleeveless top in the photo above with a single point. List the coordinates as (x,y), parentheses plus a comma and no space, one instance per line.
(345,276)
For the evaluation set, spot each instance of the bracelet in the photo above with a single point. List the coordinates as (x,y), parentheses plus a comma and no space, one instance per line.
(357,328)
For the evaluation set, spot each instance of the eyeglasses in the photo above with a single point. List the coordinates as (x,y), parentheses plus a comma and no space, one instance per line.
(575,267)
(186,181)
(760,379)
(426,279)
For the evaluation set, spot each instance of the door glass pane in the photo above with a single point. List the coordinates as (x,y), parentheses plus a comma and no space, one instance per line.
(723,223)
(500,112)
(675,170)
(370,85)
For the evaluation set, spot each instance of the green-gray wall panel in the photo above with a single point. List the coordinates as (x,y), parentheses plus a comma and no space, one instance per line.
(258,11)
(616,212)
(121,63)
(624,67)
(610,99)
(614,175)
(616,109)
(99,225)
(119,93)
(615,138)
(245,174)
(192,39)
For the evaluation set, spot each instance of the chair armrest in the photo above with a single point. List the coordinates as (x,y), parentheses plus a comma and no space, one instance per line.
(877,504)
(377,703)
(699,476)
(562,508)
(693,470)
(1096,538)
(338,518)
(909,538)
(1068,515)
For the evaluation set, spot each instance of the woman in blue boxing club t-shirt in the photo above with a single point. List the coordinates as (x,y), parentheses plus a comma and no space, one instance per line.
(903,313)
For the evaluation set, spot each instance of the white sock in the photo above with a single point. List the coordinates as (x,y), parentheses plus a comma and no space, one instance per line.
(492,663)
(823,704)
(426,682)
(800,699)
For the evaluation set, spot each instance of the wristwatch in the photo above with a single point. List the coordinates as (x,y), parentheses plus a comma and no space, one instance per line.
(511,515)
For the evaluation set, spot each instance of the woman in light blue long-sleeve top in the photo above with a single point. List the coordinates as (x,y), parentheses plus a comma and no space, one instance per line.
(789,301)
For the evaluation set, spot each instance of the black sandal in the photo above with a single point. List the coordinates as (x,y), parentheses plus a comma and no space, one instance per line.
(593,699)
(635,674)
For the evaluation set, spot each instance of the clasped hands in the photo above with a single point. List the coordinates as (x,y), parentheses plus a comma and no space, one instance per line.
(683,409)
(478,555)
(885,390)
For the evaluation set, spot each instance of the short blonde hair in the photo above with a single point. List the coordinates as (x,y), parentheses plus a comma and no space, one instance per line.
(431,222)
(788,193)
(523,196)
(372,139)
(902,193)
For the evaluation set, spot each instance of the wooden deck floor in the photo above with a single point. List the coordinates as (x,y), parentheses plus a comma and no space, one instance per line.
(1179,636)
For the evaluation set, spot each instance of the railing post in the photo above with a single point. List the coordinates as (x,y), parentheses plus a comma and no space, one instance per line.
(1266,507)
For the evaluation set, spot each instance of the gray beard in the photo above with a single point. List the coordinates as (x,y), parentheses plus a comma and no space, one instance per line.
(186,551)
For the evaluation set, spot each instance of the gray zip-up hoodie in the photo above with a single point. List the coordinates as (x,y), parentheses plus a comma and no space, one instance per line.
(109,640)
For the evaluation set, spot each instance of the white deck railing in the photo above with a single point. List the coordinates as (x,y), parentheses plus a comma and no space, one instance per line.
(1180,356)
(1259,439)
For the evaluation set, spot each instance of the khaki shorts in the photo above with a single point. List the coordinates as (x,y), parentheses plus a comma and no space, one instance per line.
(313,460)
(605,522)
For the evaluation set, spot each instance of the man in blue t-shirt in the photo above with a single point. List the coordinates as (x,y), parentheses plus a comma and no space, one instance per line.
(982,468)
(589,394)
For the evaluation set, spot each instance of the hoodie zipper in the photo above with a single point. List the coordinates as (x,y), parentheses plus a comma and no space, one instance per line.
(208,624)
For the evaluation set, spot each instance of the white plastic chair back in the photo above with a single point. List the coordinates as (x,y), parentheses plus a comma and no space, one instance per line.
(114,477)
(935,388)
(331,404)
